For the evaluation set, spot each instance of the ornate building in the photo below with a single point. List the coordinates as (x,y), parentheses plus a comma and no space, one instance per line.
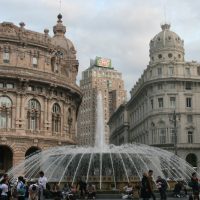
(39,98)
(99,77)
(163,110)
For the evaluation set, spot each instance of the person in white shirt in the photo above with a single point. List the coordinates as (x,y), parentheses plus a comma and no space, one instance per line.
(42,182)
(4,188)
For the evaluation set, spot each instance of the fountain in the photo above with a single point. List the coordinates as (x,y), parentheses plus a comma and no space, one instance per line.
(107,166)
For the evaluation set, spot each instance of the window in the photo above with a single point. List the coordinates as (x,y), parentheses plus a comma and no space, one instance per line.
(35,61)
(1,85)
(150,73)
(56,118)
(171,71)
(188,102)
(9,85)
(31,88)
(54,65)
(151,103)
(160,86)
(170,55)
(172,102)
(188,85)
(33,115)
(172,85)
(160,102)
(159,71)
(172,135)
(187,71)
(5,112)
(162,136)
(189,118)
(190,137)
(6,57)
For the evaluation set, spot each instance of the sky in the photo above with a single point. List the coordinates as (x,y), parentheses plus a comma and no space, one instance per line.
(117,29)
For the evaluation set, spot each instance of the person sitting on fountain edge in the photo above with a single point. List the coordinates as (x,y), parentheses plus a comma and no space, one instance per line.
(91,191)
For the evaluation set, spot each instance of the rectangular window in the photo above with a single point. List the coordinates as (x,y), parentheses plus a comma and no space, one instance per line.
(189,118)
(188,85)
(160,86)
(171,71)
(172,85)
(187,71)
(6,57)
(9,85)
(172,102)
(35,62)
(190,137)
(1,85)
(160,102)
(188,102)
(151,104)
(172,135)
(162,136)
(31,88)
(159,71)
(150,73)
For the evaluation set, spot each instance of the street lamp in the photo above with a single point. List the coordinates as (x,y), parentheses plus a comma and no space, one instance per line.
(174,118)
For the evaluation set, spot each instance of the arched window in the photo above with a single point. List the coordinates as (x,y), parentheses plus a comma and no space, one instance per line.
(33,114)
(192,159)
(56,118)
(5,112)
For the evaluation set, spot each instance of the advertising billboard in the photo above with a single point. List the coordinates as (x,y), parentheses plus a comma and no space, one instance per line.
(103,62)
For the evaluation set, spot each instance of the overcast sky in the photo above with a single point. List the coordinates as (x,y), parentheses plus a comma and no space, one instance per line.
(116,29)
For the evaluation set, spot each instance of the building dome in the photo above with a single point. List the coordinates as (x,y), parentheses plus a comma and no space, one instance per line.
(166,46)
(60,40)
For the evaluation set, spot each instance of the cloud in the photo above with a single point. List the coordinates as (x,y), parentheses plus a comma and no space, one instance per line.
(117,29)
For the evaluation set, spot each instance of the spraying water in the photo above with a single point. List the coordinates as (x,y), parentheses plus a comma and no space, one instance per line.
(100,132)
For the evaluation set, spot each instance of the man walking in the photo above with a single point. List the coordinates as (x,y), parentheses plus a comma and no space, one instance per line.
(151,183)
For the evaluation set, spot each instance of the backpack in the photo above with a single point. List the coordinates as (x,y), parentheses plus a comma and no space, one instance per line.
(22,190)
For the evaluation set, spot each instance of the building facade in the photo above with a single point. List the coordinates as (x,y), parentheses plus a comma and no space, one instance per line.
(39,98)
(99,77)
(119,126)
(163,110)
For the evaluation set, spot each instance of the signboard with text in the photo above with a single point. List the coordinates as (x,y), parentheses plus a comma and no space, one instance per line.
(103,62)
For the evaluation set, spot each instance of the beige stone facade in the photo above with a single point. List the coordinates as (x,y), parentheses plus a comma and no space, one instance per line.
(39,98)
(94,79)
(163,110)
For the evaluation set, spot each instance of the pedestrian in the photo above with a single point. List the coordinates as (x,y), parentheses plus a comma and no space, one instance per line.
(152,183)
(81,185)
(4,190)
(162,187)
(194,184)
(42,182)
(145,187)
(21,188)
(6,177)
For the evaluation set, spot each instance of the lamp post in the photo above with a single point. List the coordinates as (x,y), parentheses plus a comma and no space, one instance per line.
(173,119)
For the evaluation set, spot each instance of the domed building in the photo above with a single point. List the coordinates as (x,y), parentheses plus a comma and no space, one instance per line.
(163,110)
(39,97)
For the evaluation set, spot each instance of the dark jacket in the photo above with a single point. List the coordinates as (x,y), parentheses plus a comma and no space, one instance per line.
(194,185)
(145,188)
